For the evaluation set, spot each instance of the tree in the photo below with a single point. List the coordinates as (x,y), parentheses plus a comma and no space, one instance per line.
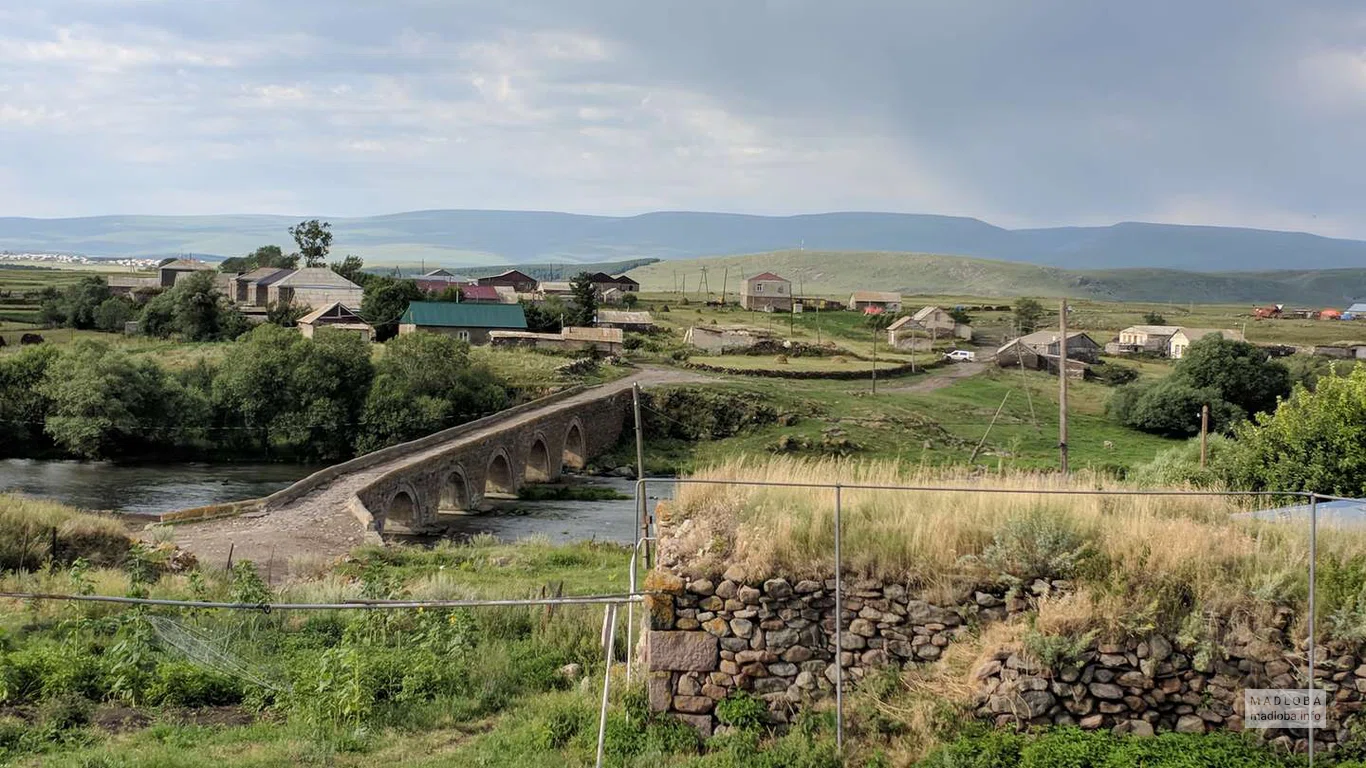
(585,297)
(265,256)
(75,305)
(194,309)
(113,312)
(1029,313)
(1234,378)
(1153,318)
(350,268)
(23,406)
(1242,373)
(286,313)
(545,317)
(630,299)
(879,321)
(105,403)
(425,383)
(960,316)
(1311,443)
(314,238)
(384,302)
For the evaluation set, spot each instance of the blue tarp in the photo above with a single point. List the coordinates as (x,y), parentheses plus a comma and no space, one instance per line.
(1348,513)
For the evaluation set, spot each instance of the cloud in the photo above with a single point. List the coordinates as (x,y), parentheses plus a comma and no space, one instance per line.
(1025,114)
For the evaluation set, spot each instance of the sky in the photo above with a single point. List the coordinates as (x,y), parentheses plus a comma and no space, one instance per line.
(1040,113)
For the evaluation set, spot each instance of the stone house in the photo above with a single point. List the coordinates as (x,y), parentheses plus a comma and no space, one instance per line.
(1184,337)
(252,288)
(720,339)
(337,316)
(1080,346)
(604,340)
(906,333)
(883,300)
(766,292)
(636,322)
(941,324)
(467,321)
(314,287)
(1146,338)
(172,271)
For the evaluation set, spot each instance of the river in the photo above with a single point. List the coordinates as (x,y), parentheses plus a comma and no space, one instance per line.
(151,489)
(144,489)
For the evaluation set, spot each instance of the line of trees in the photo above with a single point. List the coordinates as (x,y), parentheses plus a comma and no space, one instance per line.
(275,394)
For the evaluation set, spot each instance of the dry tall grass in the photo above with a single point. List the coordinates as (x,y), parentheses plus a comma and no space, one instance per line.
(26,527)
(1167,550)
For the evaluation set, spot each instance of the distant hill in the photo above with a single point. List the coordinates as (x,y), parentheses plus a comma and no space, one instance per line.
(484,238)
(842,272)
(539,271)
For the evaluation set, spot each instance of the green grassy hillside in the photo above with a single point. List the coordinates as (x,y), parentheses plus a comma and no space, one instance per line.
(840,272)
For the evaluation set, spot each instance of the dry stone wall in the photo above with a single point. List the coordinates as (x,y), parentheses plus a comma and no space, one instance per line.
(776,640)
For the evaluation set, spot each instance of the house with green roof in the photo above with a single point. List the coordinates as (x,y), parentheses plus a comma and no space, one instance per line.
(466,321)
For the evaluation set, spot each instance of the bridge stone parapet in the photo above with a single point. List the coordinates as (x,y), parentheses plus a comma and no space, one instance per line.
(534,446)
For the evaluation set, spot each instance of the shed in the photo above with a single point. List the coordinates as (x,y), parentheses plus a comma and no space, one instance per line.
(907,333)
(175,269)
(518,281)
(1079,345)
(638,322)
(339,317)
(605,340)
(468,321)
(887,301)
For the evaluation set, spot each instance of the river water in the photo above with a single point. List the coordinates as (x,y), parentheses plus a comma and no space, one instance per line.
(146,489)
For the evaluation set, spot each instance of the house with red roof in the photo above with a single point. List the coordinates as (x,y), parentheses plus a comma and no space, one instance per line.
(766,292)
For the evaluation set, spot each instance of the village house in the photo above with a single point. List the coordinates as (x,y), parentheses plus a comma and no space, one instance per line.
(555,288)
(1145,338)
(176,269)
(817,303)
(1184,337)
(1080,346)
(612,296)
(1355,312)
(883,300)
(605,340)
(467,321)
(635,322)
(1017,353)
(338,317)
(518,281)
(766,292)
(940,324)
(252,288)
(438,280)
(906,333)
(480,294)
(130,285)
(1342,351)
(314,287)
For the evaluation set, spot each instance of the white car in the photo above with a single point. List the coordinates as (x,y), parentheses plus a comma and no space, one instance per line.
(965,355)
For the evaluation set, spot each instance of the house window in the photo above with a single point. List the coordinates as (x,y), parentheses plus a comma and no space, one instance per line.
(782,289)
(758,287)
(462,335)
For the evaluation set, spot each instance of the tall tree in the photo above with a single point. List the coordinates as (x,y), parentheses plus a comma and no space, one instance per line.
(585,297)
(1029,313)
(384,302)
(265,256)
(314,239)
(350,268)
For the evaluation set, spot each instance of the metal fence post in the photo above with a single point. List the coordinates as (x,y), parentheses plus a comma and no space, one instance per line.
(839,627)
(606,680)
(1313,560)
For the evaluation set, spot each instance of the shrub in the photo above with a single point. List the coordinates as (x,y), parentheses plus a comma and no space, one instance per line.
(741,710)
(1114,375)
(1067,748)
(1039,545)
(181,684)
(993,749)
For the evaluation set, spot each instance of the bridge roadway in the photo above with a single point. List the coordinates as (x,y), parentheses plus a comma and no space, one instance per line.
(322,517)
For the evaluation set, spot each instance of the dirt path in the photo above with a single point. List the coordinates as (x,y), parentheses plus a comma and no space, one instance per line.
(938,378)
(319,527)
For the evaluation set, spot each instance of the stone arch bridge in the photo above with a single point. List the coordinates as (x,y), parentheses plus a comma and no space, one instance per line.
(405,487)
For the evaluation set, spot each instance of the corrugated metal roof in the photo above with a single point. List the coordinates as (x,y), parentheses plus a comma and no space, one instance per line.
(316,277)
(617,317)
(260,273)
(186,264)
(445,314)
(767,276)
(902,322)
(1152,330)
(578,333)
(336,310)
(1357,309)
(1048,337)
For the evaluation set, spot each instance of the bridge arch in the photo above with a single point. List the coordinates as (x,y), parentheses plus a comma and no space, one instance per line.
(455,491)
(499,476)
(574,449)
(402,508)
(538,465)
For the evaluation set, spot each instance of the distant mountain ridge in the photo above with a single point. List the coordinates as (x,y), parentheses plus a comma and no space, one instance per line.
(841,273)
(474,237)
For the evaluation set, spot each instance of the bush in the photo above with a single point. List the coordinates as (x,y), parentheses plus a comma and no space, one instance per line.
(1114,375)
(1180,465)
(181,684)
(741,710)
(1041,545)
(1067,748)
(993,749)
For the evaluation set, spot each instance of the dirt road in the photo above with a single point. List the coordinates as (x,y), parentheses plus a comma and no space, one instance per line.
(938,378)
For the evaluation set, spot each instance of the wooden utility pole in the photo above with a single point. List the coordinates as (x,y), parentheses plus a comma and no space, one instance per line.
(642,513)
(1204,433)
(1062,387)
(875,332)
(725,278)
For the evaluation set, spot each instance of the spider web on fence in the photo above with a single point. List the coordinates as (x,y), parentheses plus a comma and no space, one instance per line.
(208,652)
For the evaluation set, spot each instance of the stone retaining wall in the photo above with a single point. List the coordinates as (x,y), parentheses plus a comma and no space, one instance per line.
(775,639)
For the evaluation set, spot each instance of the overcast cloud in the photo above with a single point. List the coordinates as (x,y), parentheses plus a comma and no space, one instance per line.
(1021,113)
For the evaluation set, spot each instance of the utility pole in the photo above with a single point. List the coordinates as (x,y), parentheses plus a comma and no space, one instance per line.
(875,332)
(725,278)
(1062,387)
(642,512)
(1204,433)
